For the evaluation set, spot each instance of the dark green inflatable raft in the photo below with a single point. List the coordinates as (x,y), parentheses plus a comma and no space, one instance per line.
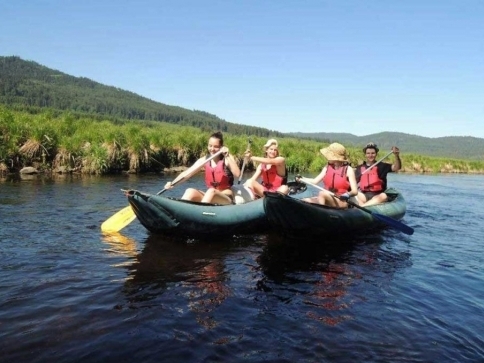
(174,216)
(296,218)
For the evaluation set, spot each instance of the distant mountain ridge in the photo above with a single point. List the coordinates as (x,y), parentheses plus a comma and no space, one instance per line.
(29,85)
(457,147)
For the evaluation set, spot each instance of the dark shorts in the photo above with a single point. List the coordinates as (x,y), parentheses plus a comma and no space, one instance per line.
(369,195)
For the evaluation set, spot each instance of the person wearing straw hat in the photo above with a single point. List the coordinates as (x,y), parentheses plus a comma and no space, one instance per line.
(338,178)
(272,169)
(372,175)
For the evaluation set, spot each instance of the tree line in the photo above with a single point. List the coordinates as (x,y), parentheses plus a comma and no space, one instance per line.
(29,86)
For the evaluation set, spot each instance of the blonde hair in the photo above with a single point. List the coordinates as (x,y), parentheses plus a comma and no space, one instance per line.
(269,143)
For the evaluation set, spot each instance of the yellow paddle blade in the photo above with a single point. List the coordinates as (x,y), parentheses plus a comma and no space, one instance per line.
(118,221)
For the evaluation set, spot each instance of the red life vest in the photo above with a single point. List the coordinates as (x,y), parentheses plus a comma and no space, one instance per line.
(220,177)
(270,179)
(370,182)
(336,181)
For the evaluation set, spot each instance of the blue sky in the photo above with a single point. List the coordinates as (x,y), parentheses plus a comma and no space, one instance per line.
(356,66)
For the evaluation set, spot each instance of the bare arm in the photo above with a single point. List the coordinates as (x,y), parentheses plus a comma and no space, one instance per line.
(397,164)
(275,161)
(278,161)
(350,173)
(232,165)
(182,175)
(318,178)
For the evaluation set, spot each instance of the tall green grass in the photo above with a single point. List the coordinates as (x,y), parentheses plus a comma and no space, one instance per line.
(72,143)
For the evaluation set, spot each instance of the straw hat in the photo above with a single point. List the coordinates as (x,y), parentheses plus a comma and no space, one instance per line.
(270,142)
(335,152)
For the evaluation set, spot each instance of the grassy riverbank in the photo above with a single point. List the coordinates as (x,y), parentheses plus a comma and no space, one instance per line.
(69,143)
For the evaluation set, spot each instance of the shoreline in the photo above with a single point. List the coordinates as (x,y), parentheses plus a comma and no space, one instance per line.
(30,172)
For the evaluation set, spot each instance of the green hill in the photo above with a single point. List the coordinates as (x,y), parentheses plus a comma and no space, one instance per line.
(29,86)
(456,147)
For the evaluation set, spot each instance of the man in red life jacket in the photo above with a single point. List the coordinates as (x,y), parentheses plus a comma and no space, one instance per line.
(373,183)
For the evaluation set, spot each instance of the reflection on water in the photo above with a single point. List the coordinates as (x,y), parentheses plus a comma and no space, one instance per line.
(120,244)
(326,275)
(72,294)
(196,268)
(325,280)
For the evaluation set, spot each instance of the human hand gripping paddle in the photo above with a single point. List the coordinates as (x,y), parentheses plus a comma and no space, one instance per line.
(125,216)
(388,220)
(243,164)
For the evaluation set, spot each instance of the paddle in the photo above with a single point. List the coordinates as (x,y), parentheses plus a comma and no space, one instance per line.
(243,164)
(378,162)
(388,220)
(191,171)
(125,216)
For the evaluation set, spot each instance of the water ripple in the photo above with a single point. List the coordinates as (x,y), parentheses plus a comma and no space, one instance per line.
(71,294)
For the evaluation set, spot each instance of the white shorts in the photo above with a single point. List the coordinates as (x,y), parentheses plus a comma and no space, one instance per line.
(242,194)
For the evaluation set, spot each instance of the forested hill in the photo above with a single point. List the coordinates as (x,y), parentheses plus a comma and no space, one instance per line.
(26,85)
(457,147)
(29,85)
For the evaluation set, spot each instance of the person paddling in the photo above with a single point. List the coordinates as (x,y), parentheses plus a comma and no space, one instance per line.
(373,182)
(272,169)
(338,178)
(219,175)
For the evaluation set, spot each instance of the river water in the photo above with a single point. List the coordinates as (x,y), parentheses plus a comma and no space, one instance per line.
(70,294)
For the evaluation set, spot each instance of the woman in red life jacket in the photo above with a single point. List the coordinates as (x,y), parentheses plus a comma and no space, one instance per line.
(338,178)
(272,170)
(219,175)
(373,183)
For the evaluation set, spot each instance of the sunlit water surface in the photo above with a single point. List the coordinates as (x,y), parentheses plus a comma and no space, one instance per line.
(70,294)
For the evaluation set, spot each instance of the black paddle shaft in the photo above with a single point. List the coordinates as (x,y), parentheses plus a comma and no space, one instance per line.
(385,219)
(388,220)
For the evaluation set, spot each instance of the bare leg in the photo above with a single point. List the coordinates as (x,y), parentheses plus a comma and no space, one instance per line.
(322,197)
(311,200)
(361,198)
(283,189)
(377,199)
(256,187)
(330,200)
(221,198)
(193,195)
(209,194)
(214,196)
